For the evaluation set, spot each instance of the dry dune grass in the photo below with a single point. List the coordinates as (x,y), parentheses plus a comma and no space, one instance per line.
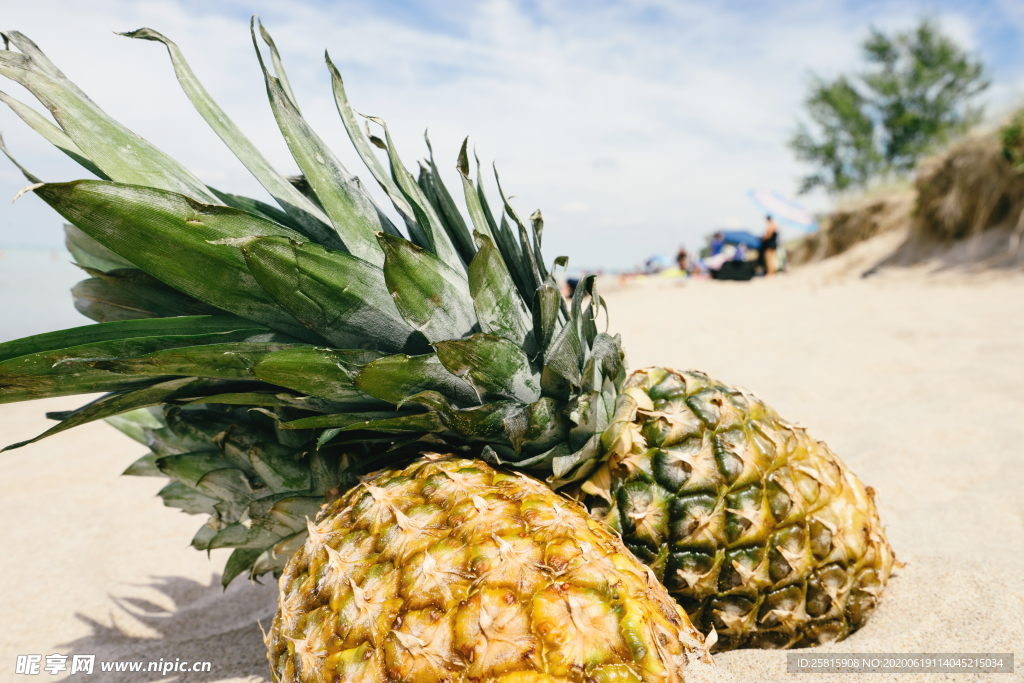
(970,209)
(965,211)
(969,189)
(855,222)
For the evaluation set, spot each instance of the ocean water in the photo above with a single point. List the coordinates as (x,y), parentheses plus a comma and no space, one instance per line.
(35,292)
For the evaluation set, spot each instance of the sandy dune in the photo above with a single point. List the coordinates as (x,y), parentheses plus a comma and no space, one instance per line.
(917,382)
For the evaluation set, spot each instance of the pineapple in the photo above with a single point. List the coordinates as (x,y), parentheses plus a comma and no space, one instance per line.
(283,354)
(759,531)
(450,570)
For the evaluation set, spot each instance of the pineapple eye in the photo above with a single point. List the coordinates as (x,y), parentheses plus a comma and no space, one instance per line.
(828,632)
(860,607)
(670,387)
(743,567)
(692,574)
(644,512)
(670,470)
(779,501)
(818,601)
(706,405)
(787,551)
(731,614)
(821,539)
(780,606)
(656,431)
(761,440)
(696,522)
(824,587)
(744,517)
(729,464)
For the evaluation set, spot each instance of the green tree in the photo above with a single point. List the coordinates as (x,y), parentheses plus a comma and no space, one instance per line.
(916,94)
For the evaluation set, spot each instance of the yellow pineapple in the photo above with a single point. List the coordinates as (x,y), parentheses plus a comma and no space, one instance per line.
(450,570)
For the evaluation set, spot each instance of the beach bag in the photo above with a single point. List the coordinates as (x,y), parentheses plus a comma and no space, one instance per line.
(734,270)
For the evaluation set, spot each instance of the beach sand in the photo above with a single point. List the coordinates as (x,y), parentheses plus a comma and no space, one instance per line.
(915,380)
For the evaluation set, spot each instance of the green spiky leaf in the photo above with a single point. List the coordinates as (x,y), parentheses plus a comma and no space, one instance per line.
(192,326)
(259,208)
(143,225)
(546,303)
(121,154)
(495,367)
(104,302)
(88,368)
(481,221)
(144,467)
(114,404)
(237,360)
(135,423)
(241,560)
(342,298)
(396,378)
(277,467)
(438,241)
(354,215)
(432,297)
(366,153)
(498,307)
(138,291)
(189,468)
(324,373)
(275,58)
(52,134)
(343,420)
(449,211)
(90,253)
(307,214)
(187,499)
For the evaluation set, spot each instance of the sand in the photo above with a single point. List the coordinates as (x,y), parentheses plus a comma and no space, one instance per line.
(916,380)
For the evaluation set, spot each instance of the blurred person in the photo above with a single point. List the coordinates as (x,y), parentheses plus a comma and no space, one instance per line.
(713,263)
(769,244)
(683,260)
(717,242)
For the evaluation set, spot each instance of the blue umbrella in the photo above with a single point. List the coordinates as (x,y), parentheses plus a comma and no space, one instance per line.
(663,260)
(783,209)
(741,237)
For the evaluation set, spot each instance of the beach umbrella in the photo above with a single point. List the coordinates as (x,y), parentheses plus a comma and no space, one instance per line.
(662,260)
(741,237)
(784,209)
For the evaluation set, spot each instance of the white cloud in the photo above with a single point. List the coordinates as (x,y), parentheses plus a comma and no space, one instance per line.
(634,125)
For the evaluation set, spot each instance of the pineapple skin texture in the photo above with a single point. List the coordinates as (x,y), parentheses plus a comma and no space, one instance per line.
(756,529)
(450,570)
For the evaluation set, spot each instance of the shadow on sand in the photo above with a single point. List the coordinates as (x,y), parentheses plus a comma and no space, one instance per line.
(206,624)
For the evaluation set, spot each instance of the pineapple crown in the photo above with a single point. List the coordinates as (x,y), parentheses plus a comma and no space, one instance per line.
(318,312)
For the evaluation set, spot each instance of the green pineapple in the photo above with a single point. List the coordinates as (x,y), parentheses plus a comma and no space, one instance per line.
(286,352)
(759,531)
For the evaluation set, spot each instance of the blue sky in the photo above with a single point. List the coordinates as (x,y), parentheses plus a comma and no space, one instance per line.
(635,126)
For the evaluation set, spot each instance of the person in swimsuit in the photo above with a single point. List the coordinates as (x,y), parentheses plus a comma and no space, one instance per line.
(769,243)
